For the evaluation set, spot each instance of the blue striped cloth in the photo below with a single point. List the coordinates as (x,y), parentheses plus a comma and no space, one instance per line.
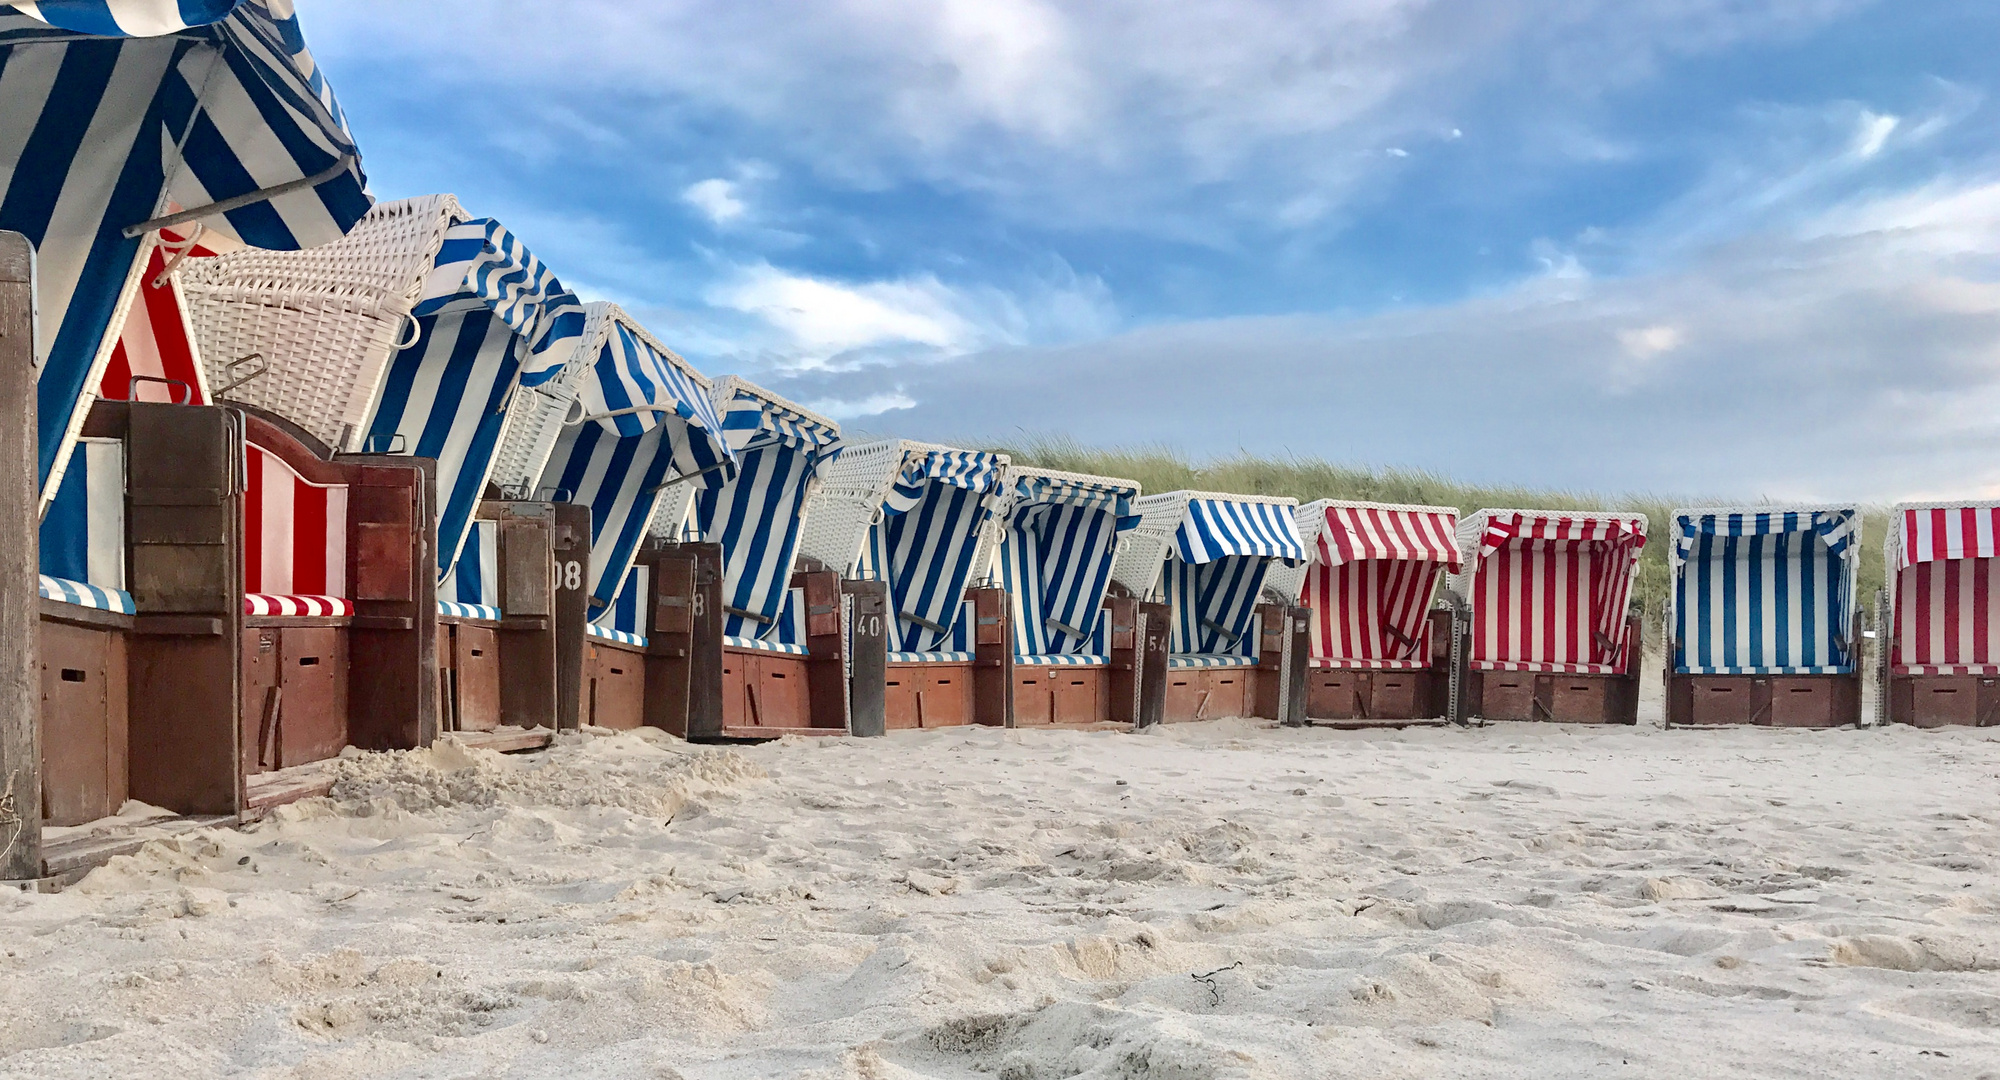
(83,530)
(1213,660)
(84,594)
(927,542)
(472,589)
(1216,528)
(1062,660)
(488,307)
(933,657)
(1055,560)
(98,95)
(626,619)
(1766,592)
(759,514)
(617,466)
(765,646)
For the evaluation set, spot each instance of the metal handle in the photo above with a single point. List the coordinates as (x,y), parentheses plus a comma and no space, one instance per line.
(230,368)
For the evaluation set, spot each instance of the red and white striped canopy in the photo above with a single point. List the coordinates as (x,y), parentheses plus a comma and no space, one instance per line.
(1505,525)
(294,531)
(1931,533)
(1353,533)
(155,346)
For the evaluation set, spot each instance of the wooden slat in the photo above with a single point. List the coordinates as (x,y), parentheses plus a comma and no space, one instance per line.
(20,678)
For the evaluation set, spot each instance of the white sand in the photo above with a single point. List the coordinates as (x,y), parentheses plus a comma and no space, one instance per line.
(1522,900)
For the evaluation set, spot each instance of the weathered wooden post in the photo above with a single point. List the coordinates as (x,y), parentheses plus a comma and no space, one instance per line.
(20,603)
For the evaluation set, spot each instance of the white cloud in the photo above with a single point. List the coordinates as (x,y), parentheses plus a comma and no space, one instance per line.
(1872,131)
(824,319)
(814,322)
(872,405)
(716,198)
(1862,361)
(1645,343)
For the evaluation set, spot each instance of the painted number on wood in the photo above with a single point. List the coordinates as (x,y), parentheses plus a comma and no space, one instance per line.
(571,573)
(869,626)
(700,604)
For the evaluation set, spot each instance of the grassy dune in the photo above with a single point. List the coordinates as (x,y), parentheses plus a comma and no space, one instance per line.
(1161,468)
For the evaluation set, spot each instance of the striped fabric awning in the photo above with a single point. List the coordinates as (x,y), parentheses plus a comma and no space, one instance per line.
(972,470)
(759,514)
(294,531)
(1056,555)
(625,619)
(121,110)
(635,384)
(488,310)
(1767,592)
(1943,576)
(1213,529)
(83,531)
(1412,534)
(1929,533)
(1374,572)
(155,359)
(1550,588)
(618,465)
(926,545)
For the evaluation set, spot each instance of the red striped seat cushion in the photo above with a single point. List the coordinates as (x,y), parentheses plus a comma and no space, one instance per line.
(309,606)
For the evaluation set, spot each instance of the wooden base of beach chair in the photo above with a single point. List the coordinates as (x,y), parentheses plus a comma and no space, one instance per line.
(469,675)
(1930,701)
(614,685)
(1556,698)
(928,696)
(1807,701)
(1208,693)
(294,700)
(1358,697)
(1059,694)
(83,716)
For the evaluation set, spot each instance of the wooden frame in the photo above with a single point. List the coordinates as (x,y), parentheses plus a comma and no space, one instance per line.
(1809,701)
(1371,697)
(499,681)
(1561,698)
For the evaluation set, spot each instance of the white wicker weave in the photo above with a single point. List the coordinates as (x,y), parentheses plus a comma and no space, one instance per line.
(326,320)
(849,500)
(1142,553)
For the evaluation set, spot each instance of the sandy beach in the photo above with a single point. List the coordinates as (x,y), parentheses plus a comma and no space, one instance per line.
(1225,899)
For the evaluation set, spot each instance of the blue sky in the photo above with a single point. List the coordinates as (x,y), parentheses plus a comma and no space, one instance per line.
(1703,246)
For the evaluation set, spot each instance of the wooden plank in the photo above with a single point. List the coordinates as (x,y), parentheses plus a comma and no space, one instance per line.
(70,858)
(280,786)
(20,599)
(507,740)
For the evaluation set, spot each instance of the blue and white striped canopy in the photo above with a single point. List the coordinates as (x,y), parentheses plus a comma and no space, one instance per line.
(488,307)
(118,110)
(1055,561)
(971,470)
(618,465)
(758,516)
(1216,528)
(1768,592)
(927,543)
(634,386)
(1214,604)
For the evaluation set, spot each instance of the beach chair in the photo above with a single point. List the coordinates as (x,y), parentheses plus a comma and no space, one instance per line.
(215,118)
(763,652)
(1941,659)
(1235,643)
(1762,621)
(1548,593)
(411,337)
(618,427)
(274,165)
(1076,648)
(1379,651)
(905,524)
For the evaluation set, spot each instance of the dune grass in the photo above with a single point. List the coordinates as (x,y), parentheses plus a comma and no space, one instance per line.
(1162,468)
